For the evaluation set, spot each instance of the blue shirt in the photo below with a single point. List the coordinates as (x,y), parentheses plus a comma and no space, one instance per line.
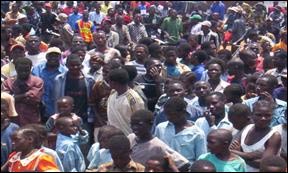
(98,156)
(219,8)
(6,135)
(190,142)
(278,116)
(198,70)
(69,152)
(48,78)
(72,20)
(236,165)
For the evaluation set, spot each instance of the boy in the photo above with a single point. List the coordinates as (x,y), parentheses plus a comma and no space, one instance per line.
(144,145)
(119,147)
(65,106)
(218,142)
(181,135)
(99,153)
(68,138)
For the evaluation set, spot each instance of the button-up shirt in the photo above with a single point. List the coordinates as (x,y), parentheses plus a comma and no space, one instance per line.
(190,142)
(137,32)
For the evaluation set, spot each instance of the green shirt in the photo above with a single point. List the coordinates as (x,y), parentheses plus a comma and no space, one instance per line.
(237,165)
(173,27)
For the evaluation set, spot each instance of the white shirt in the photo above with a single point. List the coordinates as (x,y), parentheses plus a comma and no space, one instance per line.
(37,59)
(94,17)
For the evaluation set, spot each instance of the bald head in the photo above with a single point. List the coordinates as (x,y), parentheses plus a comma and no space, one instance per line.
(222,135)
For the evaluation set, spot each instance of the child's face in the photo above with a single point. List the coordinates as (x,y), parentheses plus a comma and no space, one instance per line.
(238,121)
(74,67)
(214,145)
(70,128)
(140,128)
(153,166)
(65,107)
(120,158)
(171,57)
(20,142)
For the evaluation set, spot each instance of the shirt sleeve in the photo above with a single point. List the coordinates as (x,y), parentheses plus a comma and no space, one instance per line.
(47,164)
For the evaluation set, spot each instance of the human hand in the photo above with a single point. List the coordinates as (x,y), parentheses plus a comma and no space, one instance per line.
(235,145)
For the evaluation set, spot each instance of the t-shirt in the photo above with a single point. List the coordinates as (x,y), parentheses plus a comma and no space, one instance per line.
(236,165)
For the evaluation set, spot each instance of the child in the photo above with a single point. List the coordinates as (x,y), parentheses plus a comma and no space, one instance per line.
(160,164)
(69,136)
(202,166)
(179,133)
(273,164)
(65,106)
(144,145)
(7,127)
(218,142)
(99,153)
(28,157)
(119,147)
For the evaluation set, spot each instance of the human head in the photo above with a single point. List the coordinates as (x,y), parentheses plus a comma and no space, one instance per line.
(192,40)
(105,133)
(249,58)
(215,67)
(32,44)
(77,40)
(96,60)
(235,67)
(225,55)
(188,78)
(74,64)
(118,78)
(119,147)
(141,53)
(17,51)
(99,38)
(53,57)
(262,113)
(119,20)
(42,131)
(216,103)
(202,166)
(157,164)
(65,105)
(233,93)
(202,89)
(85,15)
(106,25)
(23,68)
(206,25)
(273,164)
(107,67)
(218,141)
(66,125)
(80,51)
(199,57)
(25,140)
(155,51)
(173,14)
(132,72)
(170,54)
(266,83)
(175,109)
(183,50)
(175,88)
(280,59)
(137,18)
(239,115)
(141,123)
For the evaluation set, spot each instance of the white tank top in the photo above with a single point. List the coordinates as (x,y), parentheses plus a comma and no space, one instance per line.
(258,146)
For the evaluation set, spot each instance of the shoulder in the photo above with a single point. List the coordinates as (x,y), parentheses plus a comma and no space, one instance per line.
(105,167)
(162,125)
(281,103)
(204,156)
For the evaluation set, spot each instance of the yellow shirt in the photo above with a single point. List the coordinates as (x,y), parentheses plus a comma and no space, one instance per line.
(104,8)
(8,70)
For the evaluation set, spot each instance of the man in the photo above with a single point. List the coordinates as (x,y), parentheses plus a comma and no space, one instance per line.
(96,16)
(47,21)
(136,29)
(74,17)
(12,17)
(173,27)
(152,22)
(122,30)
(27,90)
(65,30)
(112,36)
(218,7)
(141,55)
(33,51)
(207,35)
(122,102)
(47,71)
(85,28)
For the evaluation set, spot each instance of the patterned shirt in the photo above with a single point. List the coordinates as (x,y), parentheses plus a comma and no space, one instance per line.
(137,32)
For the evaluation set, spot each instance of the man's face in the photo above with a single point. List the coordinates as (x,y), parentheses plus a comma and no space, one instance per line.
(23,71)
(215,104)
(202,89)
(100,38)
(176,90)
(214,71)
(140,53)
(33,43)
(17,53)
(262,85)
(53,59)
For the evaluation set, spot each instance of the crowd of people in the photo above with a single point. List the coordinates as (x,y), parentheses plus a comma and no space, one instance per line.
(134,86)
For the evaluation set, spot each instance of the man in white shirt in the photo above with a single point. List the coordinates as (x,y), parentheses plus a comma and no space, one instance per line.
(96,16)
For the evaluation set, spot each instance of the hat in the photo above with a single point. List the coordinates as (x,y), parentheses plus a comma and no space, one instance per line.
(48,5)
(196,16)
(206,23)
(284,73)
(53,50)
(62,17)
(17,46)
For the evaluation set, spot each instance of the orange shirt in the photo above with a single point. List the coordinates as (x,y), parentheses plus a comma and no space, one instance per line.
(38,161)
(280,45)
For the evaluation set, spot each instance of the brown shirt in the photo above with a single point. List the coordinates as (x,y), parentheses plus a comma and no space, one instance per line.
(131,167)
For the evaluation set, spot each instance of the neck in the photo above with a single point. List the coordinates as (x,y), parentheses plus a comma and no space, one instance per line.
(27,153)
(122,89)
(51,68)
(214,82)
(140,61)
(225,155)
(181,123)
(74,75)
(101,48)
(202,101)
(35,52)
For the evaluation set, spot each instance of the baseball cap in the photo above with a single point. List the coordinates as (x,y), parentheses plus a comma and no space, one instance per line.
(53,50)
(62,17)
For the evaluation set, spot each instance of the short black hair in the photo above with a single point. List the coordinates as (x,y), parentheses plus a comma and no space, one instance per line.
(237,63)
(143,46)
(272,80)
(23,61)
(185,47)
(263,103)
(30,132)
(239,109)
(218,94)
(75,49)
(234,89)
(73,57)
(149,62)
(132,71)
(225,54)
(146,41)
(110,130)
(41,129)
(281,54)
(217,61)
(119,143)
(56,42)
(202,166)
(247,53)
(62,122)
(169,49)
(223,134)
(273,161)
(143,115)
(153,48)
(120,76)
(201,56)
(176,104)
